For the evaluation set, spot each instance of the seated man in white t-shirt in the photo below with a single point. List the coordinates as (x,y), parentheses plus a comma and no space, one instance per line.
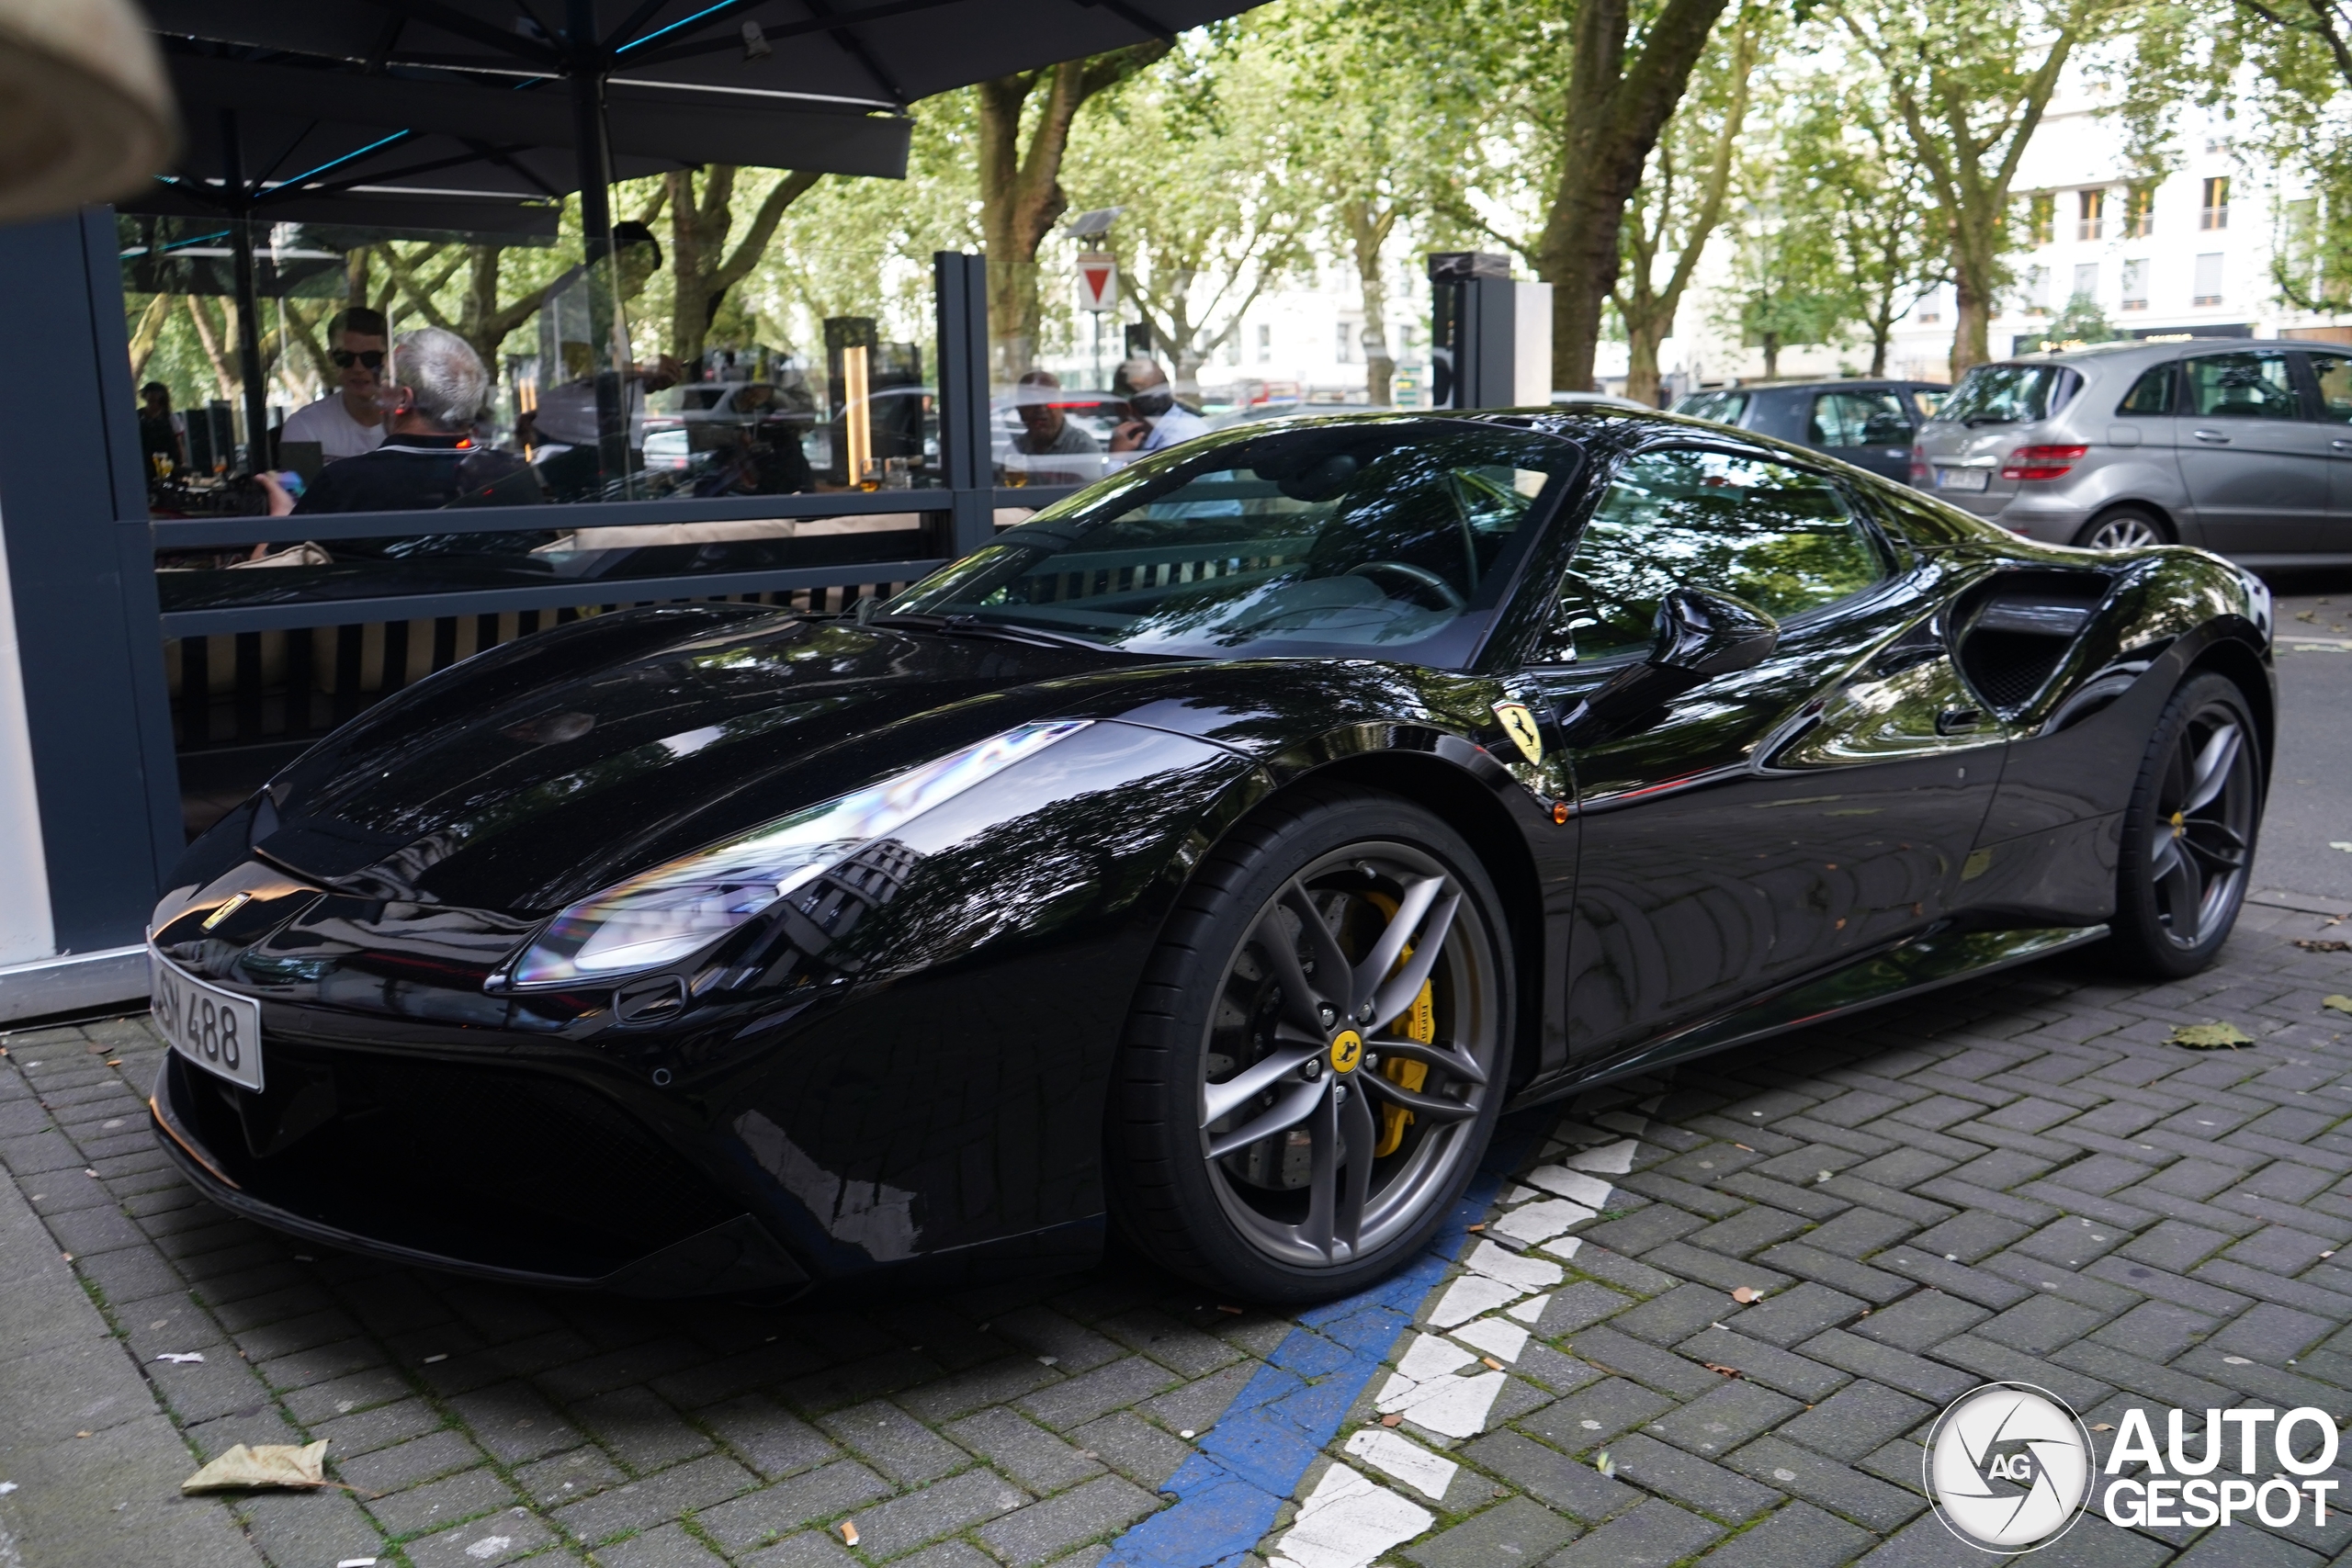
(350,420)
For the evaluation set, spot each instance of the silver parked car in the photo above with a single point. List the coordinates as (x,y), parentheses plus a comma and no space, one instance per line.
(2242,446)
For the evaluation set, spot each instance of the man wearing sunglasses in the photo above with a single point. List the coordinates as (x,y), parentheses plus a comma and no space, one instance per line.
(349,420)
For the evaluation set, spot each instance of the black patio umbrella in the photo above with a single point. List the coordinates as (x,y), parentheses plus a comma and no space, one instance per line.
(809,85)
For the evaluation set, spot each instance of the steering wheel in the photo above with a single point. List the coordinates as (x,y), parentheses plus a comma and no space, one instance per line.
(1449,596)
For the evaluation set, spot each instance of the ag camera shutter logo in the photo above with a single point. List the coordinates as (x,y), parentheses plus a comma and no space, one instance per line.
(2008,1467)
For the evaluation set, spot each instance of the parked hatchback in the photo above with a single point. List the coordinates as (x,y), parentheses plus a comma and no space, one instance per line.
(1870,424)
(2242,446)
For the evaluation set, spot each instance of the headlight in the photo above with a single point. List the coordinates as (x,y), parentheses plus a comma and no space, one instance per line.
(672,910)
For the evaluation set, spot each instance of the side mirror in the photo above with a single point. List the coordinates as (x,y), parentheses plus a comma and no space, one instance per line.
(1699,635)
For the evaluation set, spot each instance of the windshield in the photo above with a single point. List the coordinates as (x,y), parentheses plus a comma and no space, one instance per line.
(1723,407)
(1389,537)
(2009,394)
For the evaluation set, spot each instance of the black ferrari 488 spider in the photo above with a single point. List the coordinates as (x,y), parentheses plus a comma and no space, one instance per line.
(1214,856)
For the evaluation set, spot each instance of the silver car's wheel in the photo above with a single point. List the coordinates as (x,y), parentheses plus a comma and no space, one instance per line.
(2124,530)
(1318,1053)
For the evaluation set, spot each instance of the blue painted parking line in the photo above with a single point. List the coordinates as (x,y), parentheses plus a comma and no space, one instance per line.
(1252,1460)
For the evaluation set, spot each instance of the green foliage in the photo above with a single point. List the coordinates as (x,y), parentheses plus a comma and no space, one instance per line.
(2082,322)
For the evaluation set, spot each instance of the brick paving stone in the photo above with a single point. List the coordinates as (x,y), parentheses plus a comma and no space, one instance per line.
(1795,1536)
(1577,1490)
(438,1504)
(1516,1530)
(1046,1530)
(942,1509)
(1653,1536)
(1024,1450)
(1719,1422)
(669,1547)
(1082,1398)
(696,1485)
(1694,1482)
(1586,1420)
(1141,1452)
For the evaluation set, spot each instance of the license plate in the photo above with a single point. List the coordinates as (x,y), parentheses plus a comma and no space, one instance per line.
(218,1030)
(1963,478)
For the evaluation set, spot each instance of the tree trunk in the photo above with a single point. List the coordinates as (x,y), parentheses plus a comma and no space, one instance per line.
(1020,190)
(1771,355)
(1972,319)
(1643,342)
(701,268)
(1612,112)
(1367,231)
(149,331)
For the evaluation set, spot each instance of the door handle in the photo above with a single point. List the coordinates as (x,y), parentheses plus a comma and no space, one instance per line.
(2215,437)
(1959,721)
(2340,445)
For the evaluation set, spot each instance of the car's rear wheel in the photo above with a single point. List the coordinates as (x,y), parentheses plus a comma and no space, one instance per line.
(2124,528)
(2188,835)
(1317,1054)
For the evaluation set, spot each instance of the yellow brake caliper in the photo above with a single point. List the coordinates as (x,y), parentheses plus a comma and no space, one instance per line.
(1420,1024)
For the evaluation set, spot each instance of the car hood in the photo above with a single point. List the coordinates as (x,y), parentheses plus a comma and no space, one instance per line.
(538,772)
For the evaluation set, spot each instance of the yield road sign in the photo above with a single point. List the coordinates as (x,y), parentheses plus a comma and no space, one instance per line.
(1098,280)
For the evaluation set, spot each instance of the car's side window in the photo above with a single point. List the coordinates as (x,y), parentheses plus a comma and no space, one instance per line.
(2334,374)
(1859,418)
(2255,385)
(2151,395)
(1782,538)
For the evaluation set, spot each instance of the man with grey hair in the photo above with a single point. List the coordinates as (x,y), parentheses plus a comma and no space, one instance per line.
(429,460)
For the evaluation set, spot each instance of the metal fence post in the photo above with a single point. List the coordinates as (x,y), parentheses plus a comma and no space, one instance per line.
(1490,340)
(961,285)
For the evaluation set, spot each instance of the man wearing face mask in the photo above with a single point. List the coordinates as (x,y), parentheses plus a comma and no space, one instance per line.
(1160,421)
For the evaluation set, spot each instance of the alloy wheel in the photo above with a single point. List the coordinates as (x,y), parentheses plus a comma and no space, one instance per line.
(1353,1041)
(2204,826)
(2124,531)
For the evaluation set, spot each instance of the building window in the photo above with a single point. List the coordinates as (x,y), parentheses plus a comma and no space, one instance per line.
(2090,215)
(1931,308)
(1265,344)
(2085,281)
(2135,285)
(1233,349)
(2037,292)
(2040,217)
(2214,211)
(2209,280)
(2139,210)
(1344,350)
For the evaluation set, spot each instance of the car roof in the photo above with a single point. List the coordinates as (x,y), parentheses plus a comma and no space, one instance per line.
(2144,350)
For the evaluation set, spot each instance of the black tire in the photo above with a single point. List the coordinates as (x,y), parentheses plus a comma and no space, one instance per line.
(2123,528)
(2188,834)
(1276,1219)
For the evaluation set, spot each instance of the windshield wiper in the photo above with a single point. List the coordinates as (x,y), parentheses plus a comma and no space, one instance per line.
(972,626)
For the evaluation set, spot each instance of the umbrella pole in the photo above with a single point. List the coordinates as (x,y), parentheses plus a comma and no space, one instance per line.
(240,253)
(594,151)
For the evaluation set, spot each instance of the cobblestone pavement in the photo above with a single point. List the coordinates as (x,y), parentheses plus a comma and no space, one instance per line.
(2017,1179)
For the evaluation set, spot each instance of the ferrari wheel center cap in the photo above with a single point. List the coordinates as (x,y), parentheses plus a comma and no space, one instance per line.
(1347,1050)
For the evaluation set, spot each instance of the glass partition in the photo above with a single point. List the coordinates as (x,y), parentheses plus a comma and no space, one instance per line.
(478,378)
(1053,417)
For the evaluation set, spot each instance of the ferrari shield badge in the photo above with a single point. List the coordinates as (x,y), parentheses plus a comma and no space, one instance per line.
(1519,725)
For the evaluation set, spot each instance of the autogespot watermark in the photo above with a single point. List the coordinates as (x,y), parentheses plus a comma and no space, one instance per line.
(2010,1468)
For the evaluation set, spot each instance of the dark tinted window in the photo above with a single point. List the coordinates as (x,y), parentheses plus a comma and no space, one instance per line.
(1723,407)
(2334,372)
(2242,386)
(1395,538)
(2151,394)
(2010,394)
(1782,539)
(1859,418)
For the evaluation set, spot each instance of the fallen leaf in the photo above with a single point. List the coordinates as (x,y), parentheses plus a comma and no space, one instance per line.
(849,1532)
(1603,1464)
(2341,1004)
(2322,944)
(1719,1368)
(1392,1420)
(2209,1036)
(2104,1426)
(1746,1295)
(298,1466)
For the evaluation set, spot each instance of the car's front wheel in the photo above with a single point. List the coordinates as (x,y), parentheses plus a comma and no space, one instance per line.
(1317,1054)
(2188,834)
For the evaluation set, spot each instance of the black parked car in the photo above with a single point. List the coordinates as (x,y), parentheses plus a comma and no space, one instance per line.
(1217,854)
(1870,424)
